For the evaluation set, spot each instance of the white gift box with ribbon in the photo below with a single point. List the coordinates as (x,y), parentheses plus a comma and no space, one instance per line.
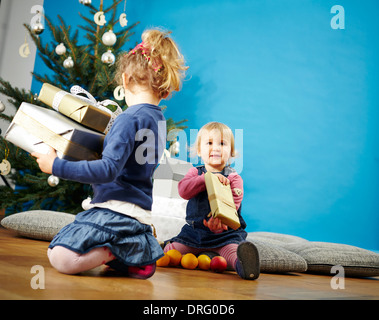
(34,128)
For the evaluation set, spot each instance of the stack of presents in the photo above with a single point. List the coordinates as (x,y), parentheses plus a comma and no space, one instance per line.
(76,127)
(169,209)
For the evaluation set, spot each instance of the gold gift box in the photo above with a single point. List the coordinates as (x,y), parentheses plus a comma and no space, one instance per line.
(75,108)
(221,201)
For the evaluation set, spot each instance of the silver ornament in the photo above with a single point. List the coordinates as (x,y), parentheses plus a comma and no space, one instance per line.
(60,49)
(109,38)
(68,63)
(108,57)
(38,28)
(53,181)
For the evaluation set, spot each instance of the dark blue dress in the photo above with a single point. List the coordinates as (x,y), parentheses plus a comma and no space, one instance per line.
(129,240)
(195,234)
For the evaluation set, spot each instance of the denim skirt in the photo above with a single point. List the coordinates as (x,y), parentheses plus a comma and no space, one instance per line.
(129,240)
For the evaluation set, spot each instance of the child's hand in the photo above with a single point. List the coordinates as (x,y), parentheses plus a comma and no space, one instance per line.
(215,225)
(224,180)
(45,161)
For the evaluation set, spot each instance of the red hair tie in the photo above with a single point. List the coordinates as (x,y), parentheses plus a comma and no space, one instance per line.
(145,50)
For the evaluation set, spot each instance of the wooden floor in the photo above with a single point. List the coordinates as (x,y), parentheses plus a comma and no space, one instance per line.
(18,256)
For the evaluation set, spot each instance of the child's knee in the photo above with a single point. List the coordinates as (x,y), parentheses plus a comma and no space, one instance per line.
(63,260)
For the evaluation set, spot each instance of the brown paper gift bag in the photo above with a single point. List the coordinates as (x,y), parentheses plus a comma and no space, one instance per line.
(221,201)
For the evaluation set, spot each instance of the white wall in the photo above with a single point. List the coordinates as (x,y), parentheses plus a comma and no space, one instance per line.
(14,68)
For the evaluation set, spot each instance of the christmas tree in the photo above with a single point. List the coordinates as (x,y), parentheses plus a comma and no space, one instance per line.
(90,65)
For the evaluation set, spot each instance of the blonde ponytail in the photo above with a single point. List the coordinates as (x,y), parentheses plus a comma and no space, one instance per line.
(156,62)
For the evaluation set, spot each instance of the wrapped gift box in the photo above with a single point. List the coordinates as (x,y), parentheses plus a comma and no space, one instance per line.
(168,216)
(167,176)
(33,128)
(79,109)
(221,201)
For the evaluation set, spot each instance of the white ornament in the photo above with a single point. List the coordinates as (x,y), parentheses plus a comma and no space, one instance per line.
(68,63)
(24,50)
(109,38)
(86,203)
(108,57)
(99,18)
(86,2)
(60,49)
(174,148)
(123,21)
(2,106)
(53,181)
(5,167)
(119,93)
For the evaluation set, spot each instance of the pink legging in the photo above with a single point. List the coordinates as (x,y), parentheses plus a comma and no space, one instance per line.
(229,251)
(69,262)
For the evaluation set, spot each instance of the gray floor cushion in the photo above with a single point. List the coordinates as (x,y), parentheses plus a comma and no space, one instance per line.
(322,256)
(273,257)
(37,224)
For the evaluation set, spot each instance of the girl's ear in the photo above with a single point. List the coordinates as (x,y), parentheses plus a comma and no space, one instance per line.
(125,80)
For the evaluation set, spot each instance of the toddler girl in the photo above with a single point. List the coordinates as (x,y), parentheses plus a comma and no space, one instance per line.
(215,146)
(116,230)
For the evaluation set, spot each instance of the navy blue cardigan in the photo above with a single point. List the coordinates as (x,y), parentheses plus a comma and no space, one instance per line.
(131,152)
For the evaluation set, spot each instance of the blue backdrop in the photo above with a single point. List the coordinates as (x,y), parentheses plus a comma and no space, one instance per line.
(300,83)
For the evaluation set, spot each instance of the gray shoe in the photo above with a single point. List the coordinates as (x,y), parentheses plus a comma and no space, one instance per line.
(247,266)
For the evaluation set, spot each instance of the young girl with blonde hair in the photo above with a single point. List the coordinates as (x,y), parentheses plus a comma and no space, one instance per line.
(116,230)
(215,146)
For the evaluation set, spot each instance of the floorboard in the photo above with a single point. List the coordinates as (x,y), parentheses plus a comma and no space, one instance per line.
(18,255)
